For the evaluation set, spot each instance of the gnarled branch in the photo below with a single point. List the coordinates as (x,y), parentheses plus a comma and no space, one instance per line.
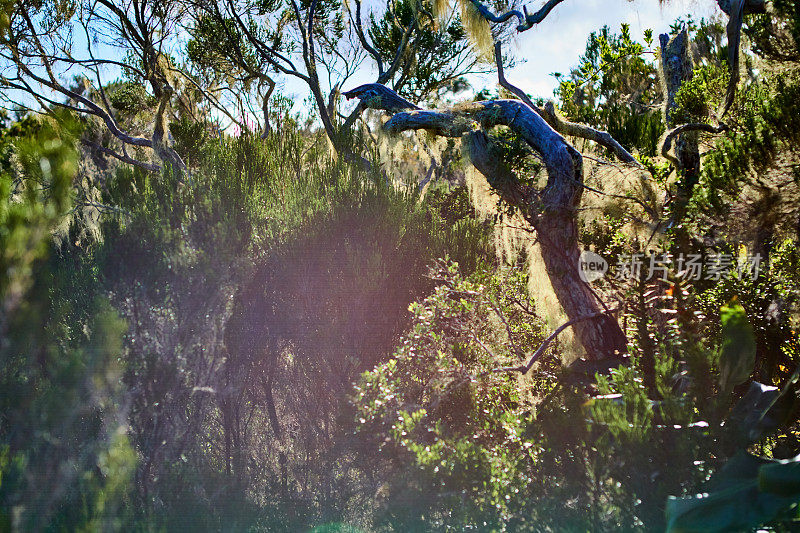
(669,136)
(560,125)
(122,157)
(526,20)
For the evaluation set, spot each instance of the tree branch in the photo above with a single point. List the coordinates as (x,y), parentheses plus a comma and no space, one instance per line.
(124,158)
(603,138)
(525,19)
(524,369)
(562,126)
(365,43)
(734,33)
(669,136)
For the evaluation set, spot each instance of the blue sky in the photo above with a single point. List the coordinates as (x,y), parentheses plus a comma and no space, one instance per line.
(556,44)
(552,46)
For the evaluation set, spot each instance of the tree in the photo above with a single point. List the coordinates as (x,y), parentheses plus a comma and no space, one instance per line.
(227,69)
(322,46)
(551,211)
(42,63)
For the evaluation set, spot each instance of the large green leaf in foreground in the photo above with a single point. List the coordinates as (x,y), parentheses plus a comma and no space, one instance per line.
(748,492)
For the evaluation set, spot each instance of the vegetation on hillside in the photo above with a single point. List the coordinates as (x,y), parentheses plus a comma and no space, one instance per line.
(217,314)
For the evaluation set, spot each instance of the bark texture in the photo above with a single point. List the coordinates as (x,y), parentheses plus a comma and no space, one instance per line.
(676,68)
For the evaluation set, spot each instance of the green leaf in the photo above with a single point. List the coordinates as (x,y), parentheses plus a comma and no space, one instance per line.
(738,354)
(762,410)
(781,478)
(733,501)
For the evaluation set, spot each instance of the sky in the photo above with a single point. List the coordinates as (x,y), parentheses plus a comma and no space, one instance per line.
(556,44)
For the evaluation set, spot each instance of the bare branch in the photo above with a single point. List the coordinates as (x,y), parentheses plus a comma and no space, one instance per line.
(365,43)
(669,136)
(525,19)
(734,32)
(207,95)
(603,138)
(501,77)
(560,125)
(536,18)
(124,158)
(398,55)
(524,369)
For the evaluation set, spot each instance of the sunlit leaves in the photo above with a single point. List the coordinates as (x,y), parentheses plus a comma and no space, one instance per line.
(463,430)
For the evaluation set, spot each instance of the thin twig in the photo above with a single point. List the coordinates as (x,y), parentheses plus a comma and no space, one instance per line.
(524,369)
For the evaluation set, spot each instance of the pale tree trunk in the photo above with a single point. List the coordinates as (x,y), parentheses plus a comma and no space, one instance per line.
(600,337)
(676,68)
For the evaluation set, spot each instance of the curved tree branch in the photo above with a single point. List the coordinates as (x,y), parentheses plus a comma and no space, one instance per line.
(603,138)
(526,20)
(124,158)
(524,369)
(734,32)
(365,43)
(735,9)
(560,125)
(669,136)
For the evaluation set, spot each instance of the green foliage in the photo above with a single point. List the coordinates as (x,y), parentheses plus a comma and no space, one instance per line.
(194,367)
(738,355)
(597,91)
(69,463)
(736,500)
(65,459)
(433,411)
(32,201)
(440,53)
(770,302)
(190,137)
(767,122)
(437,404)
(273,243)
(450,203)
(748,491)
(220,52)
(776,34)
(7,7)
(9,133)
(696,98)
(129,97)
